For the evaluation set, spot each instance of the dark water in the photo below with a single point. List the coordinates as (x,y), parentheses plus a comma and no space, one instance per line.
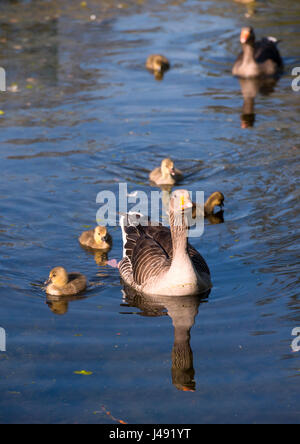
(86,115)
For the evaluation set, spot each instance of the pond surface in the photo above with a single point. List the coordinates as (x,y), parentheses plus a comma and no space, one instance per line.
(82,115)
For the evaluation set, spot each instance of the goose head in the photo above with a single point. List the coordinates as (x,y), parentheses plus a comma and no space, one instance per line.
(58,277)
(101,237)
(180,209)
(168,169)
(247,36)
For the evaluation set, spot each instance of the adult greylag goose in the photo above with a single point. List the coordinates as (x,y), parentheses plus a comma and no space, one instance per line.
(216,199)
(160,261)
(258,59)
(61,283)
(157,63)
(166,174)
(97,239)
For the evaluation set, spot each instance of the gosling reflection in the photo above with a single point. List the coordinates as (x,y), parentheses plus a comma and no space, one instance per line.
(59,305)
(250,89)
(159,76)
(251,5)
(216,218)
(101,258)
(183,312)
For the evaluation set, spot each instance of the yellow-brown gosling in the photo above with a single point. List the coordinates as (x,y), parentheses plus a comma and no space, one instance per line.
(97,239)
(157,63)
(166,174)
(216,199)
(61,283)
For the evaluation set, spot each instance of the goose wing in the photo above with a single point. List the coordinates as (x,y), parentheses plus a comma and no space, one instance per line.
(149,259)
(198,260)
(266,49)
(163,237)
(144,257)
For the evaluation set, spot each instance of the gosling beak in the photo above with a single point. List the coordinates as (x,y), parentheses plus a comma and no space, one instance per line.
(173,172)
(48,281)
(245,34)
(105,238)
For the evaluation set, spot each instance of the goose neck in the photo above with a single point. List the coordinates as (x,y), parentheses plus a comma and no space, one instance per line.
(179,233)
(248,53)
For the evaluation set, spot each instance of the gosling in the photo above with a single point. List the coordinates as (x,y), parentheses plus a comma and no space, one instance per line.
(166,174)
(216,199)
(61,283)
(157,63)
(97,239)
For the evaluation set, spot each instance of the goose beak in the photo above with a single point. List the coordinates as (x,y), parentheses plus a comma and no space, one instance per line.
(185,204)
(245,34)
(173,173)
(47,282)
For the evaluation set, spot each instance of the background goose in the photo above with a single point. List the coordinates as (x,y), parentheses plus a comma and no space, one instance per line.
(257,59)
(166,174)
(60,283)
(160,261)
(97,239)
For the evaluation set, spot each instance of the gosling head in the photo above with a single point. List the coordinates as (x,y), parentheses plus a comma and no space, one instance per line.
(215,200)
(58,277)
(101,236)
(160,63)
(167,168)
(247,36)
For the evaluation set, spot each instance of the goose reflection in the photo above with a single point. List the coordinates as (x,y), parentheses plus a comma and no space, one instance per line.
(183,312)
(250,89)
